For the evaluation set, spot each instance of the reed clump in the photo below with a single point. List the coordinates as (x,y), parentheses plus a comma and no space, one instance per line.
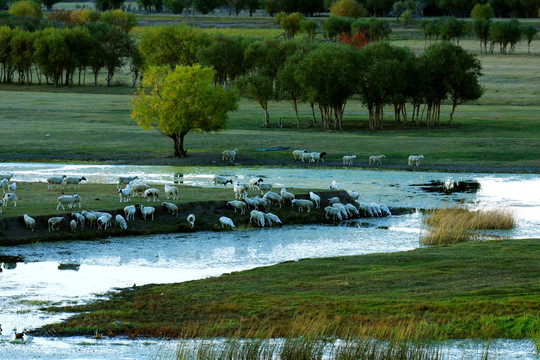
(447,226)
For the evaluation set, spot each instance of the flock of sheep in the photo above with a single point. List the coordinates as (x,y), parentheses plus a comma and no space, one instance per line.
(305,156)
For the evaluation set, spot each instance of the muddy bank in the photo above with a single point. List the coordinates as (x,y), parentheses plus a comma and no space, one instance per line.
(13,231)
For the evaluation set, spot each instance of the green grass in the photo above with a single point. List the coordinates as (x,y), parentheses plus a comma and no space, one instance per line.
(469,290)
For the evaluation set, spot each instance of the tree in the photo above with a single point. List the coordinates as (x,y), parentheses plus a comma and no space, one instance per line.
(237,5)
(49,3)
(430,28)
(52,54)
(309,27)
(270,6)
(104,5)
(22,49)
(505,33)
(289,23)
(205,6)
(252,5)
(176,6)
(529,32)
(26,8)
(172,45)
(379,29)
(124,20)
(481,29)
(335,25)
(6,34)
(348,8)
(178,101)
(482,12)
(257,87)
(357,40)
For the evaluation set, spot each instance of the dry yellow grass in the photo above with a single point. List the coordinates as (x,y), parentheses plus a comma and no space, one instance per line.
(453,225)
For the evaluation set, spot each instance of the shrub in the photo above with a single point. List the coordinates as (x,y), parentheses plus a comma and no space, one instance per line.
(482,12)
(348,8)
(26,8)
(405,18)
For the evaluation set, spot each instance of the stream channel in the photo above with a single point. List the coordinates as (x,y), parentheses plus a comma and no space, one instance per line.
(104,265)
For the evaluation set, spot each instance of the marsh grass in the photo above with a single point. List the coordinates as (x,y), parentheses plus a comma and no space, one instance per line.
(453,225)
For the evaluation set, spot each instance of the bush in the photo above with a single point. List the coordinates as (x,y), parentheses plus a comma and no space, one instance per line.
(26,8)
(335,26)
(348,8)
(405,18)
(482,12)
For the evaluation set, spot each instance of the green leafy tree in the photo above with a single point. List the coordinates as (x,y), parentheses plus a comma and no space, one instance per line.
(172,45)
(335,25)
(454,29)
(176,6)
(291,24)
(259,88)
(379,29)
(25,8)
(379,7)
(430,28)
(178,101)
(481,29)
(405,18)
(271,6)
(529,32)
(252,6)
(237,5)
(309,27)
(461,8)
(482,12)
(104,5)
(6,34)
(530,7)
(205,6)
(52,54)
(505,33)
(22,50)
(123,19)
(348,8)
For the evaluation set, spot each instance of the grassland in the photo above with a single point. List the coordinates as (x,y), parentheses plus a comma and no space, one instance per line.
(471,290)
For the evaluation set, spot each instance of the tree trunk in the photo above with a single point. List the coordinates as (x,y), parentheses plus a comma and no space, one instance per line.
(313,112)
(454,105)
(266,122)
(178,138)
(296,112)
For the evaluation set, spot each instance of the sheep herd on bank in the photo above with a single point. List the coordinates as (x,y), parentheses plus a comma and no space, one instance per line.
(258,206)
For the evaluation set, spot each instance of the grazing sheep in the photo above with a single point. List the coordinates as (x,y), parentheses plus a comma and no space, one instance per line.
(73,225)
(287,195)
(365,209)
(376,159)
(229,155)
(333,200)
(264,187)
(99,214)
(130,211)
(257,217)
(125,180)
(55,180)
(171,190)
(303,204)
(352,209)
(147,210)
(3,184)
(221,180)
(316,156)
(342,209)
(376,209)
(297,154)
(138,188)
(151,193)
(191,221)
(353,194)
(415,159)
(238,205)
(385,209)
(30,222)
(348,159)
(240,191)
(334,212)
(125,194)
(6,176)
(273,198)
(253,182)
(70,200)
(102,222)
(272,219)
(73,180)
(12,187)
(54,223)
(251,202)
(334,185)
(171,208)
(9,197)
(120,221)
(79,218)
(225,221)
(265,203)
(90,217)
(315,198)
(306,157)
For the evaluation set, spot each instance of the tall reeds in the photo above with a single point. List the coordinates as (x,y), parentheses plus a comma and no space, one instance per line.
(452,225)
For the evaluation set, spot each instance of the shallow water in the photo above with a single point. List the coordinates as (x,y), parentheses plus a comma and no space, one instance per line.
(123,262)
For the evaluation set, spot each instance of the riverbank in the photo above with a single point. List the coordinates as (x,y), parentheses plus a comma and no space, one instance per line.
(483,289)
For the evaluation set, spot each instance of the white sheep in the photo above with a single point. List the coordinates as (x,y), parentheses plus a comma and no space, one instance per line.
(315,198)
(253,182)
(334,212)
(251,202)
(333,200)
(353,194)
(365,209)
(90,218)
(70,200)
(334,185)
(229,155)
(273,198)
(264,187)
(12,187)
(73,225)
(342,209)
(125,180)
(125,194)
(272,219)
(306,157)
(172,209)
(73,180)
(55,180)
(297,154)
(9,197)
(238,205)
(54,223)
(240,191)
(138,188)
(415,159)
(120,221)
(102,222)
(303,204)
(353,210)
(348,159)
(317,156)
(130,211)
(191,220)
(265,203)
(79,218)
(151,193)
(376,159)
(3,184)
(225,221)
(257,217)
(99,214)
(6,176)
(30,222)
(375,208)
(287,195)
(385,209)
(171,190)
(221,180)
(147,210)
